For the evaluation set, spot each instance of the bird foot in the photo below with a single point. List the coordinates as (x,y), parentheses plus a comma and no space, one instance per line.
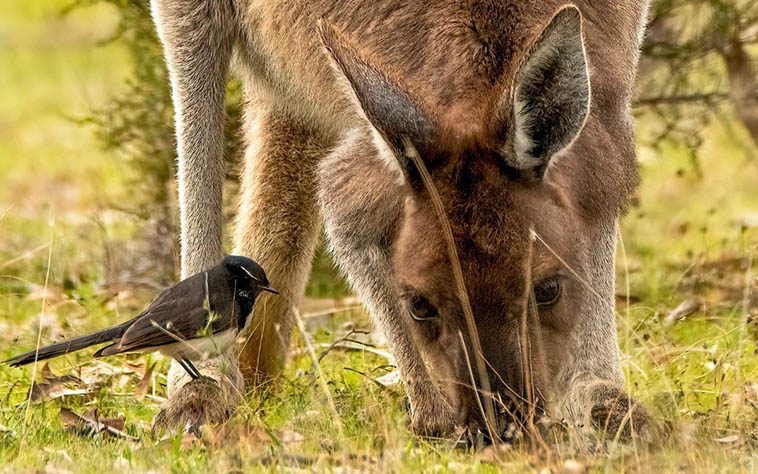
(199,402)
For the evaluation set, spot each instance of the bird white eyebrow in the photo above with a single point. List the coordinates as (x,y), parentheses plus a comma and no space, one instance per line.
(251,275)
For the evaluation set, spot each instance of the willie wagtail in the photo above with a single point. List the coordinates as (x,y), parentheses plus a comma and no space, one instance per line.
(197,317)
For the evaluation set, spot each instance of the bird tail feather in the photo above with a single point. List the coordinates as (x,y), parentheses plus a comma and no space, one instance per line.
(64,347)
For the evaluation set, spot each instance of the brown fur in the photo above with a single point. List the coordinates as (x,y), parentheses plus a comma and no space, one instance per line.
(316,132)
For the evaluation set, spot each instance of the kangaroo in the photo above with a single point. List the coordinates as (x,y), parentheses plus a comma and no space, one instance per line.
(520,111)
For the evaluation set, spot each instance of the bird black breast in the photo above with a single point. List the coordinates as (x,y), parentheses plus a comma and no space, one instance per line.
(245,300)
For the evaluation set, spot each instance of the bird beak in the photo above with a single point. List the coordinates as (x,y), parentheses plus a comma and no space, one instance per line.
(270,289)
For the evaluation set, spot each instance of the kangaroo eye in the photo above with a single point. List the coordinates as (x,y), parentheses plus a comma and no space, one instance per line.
(547,292)
(421,309)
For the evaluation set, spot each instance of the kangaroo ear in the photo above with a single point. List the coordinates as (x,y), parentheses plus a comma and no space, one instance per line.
(384,102)
(551,95)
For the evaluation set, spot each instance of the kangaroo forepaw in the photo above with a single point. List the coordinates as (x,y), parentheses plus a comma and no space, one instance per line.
(434,419)
(621,416)
(199,402)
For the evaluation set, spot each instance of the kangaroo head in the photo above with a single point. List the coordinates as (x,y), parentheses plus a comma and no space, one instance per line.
(497,119)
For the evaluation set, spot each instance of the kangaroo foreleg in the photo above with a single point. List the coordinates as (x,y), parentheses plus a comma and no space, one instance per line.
(197,37)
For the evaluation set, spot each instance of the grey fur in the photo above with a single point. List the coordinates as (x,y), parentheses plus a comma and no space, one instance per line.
(595,363)
(310,144)
(197,39)
(362,209)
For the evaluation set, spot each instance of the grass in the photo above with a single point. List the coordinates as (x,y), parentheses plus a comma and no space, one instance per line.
(690,238)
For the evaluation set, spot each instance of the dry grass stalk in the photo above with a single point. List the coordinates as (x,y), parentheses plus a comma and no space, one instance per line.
(320,375)
(460,285)
(527,351)
(525,347)
(39,331)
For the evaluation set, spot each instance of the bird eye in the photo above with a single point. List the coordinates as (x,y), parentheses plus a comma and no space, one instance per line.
(547,292)
(421,309)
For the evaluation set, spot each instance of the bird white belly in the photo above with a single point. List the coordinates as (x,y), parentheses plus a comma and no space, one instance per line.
(200,348)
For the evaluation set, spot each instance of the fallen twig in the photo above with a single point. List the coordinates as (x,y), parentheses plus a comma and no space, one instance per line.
(345,339)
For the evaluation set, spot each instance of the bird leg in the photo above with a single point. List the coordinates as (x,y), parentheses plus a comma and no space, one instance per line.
(189,367)
(194,369)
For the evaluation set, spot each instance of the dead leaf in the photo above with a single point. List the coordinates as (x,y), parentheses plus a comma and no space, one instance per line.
(46,372)
(52,386)
(45,392)
(91,424)
(137,366)
(141,391)
(118,422)
(687,307)
(98,373)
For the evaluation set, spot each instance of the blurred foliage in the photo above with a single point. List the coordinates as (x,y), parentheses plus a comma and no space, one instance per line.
(139,126)
(697,66)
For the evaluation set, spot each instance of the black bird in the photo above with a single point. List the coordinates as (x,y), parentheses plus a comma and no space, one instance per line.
(197,317)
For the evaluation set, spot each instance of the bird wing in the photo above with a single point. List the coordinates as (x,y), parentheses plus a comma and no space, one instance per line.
(179,313)
(160,329)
